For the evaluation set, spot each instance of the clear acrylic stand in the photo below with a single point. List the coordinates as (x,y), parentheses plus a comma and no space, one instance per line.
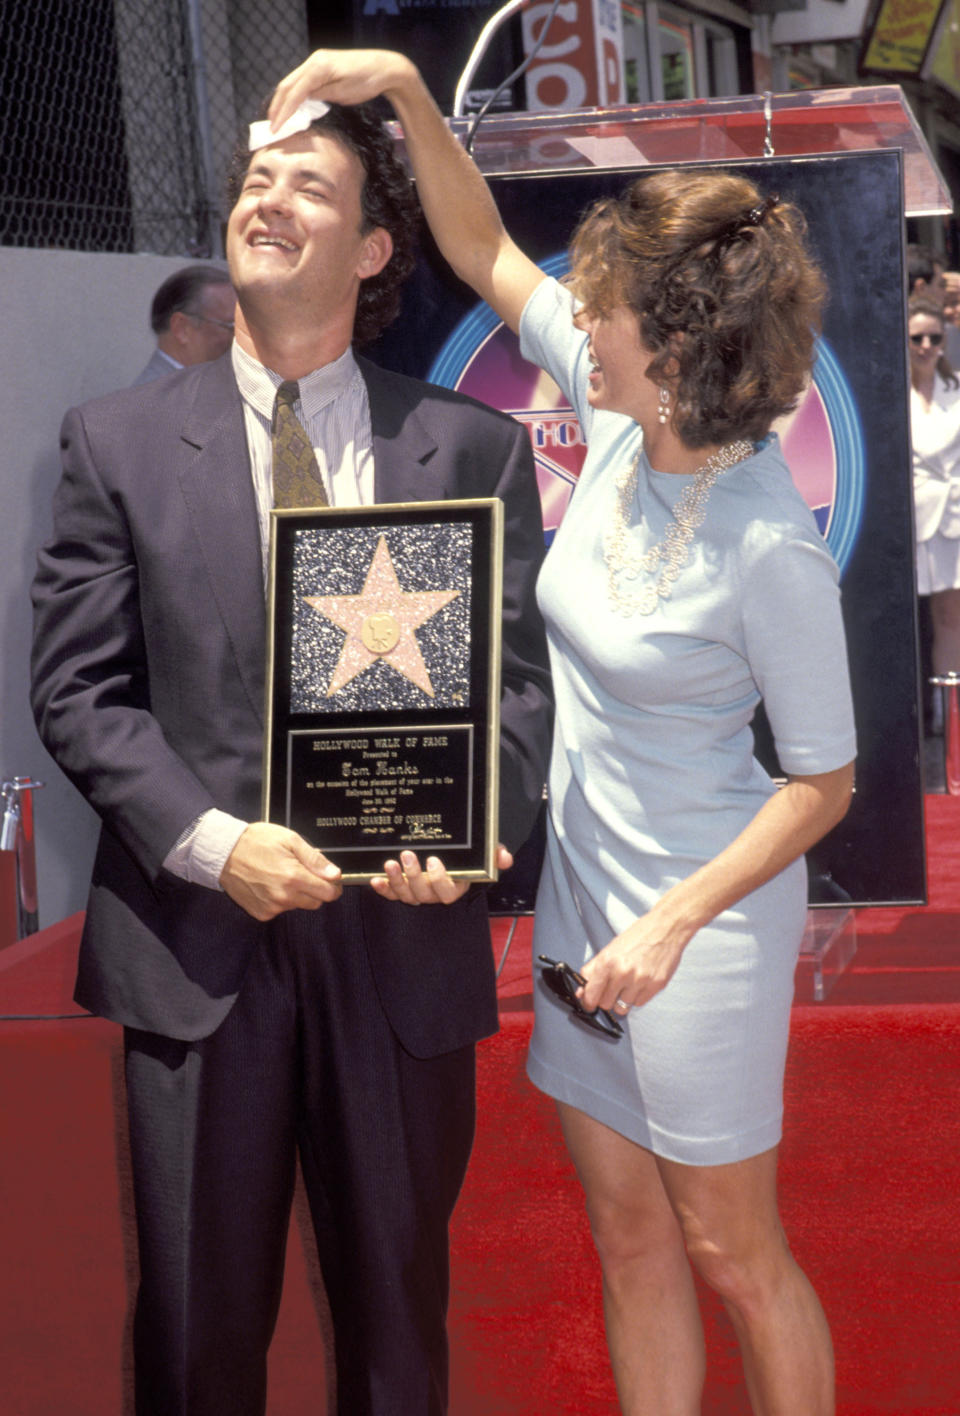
(948,685)
(714,130)
(828,946)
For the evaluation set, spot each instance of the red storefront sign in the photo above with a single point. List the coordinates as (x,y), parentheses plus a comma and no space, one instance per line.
(581,62)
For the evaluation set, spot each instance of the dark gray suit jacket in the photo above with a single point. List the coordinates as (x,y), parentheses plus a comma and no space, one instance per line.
(148,688)
(156,367)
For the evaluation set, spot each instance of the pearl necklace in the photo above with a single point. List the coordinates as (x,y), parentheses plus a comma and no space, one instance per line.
(674,549)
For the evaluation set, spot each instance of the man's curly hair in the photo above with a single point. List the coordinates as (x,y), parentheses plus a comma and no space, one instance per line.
(729,301)
(387,199)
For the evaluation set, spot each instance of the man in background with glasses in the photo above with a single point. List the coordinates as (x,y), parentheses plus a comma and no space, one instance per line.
(192,317)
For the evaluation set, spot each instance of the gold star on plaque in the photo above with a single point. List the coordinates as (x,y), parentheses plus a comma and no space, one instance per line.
(379,623)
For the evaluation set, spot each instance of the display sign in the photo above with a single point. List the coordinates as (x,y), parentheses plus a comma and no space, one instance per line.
(900,36)
(580,63)
(848,447)
(383,682)
(945,66)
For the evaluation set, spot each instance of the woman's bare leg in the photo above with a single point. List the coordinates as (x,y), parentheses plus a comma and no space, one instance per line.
(734,1239)
(651,1218)
(650,1304)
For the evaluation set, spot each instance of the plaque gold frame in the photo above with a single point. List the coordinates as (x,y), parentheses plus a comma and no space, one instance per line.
(364,754)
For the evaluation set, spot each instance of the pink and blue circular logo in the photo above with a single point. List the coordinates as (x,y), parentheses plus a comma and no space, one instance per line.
(822,440)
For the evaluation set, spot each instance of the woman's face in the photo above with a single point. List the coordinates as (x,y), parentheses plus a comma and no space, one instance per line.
(617,381)
(926,342)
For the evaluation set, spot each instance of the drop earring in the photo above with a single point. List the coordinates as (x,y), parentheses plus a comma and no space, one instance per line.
(663,412)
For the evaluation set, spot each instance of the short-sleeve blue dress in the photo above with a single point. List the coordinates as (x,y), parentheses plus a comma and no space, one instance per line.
(653,773)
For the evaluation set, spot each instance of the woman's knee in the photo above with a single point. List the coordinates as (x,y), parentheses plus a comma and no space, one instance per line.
(627,1231)
(741,1264)
(628,1208)
(730,1223)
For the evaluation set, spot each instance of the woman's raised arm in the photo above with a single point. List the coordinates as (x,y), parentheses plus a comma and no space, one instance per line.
(455,198)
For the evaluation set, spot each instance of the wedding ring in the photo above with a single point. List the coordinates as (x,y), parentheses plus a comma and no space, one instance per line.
(621,1006)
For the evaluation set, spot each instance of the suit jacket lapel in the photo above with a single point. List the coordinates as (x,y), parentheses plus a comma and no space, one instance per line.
(403,449)
(218,489)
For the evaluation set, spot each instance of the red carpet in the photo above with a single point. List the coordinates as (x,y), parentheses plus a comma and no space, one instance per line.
(870,1180)
(870,1183)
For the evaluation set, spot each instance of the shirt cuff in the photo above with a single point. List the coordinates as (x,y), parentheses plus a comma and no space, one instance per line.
(204,848)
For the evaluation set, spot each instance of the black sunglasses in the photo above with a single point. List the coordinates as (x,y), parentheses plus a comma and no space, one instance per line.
(563,982)
(935,339)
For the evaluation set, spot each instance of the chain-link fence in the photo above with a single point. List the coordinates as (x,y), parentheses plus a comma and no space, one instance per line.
(118,117)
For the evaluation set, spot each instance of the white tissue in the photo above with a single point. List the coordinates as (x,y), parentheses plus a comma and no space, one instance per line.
(261,134)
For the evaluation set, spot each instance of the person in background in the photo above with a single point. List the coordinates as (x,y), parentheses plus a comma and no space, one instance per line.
(951,315)
(935,435)
(673,898)
(269,1012)
(192,316)
(926,278)
(924,272)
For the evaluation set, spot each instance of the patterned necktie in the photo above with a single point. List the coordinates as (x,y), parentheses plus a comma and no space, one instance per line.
(296,476)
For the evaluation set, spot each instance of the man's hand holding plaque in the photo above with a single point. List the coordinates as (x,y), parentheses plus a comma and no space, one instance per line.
(271,870)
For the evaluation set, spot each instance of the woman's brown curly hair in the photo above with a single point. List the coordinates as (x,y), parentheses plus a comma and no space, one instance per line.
(679,249)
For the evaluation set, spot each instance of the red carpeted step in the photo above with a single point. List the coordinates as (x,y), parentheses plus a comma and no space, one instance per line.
(870,1179)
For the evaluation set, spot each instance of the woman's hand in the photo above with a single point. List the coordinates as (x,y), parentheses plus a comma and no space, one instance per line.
(635,965)
(407,881)
(641,961)
(339,76)
(455,198)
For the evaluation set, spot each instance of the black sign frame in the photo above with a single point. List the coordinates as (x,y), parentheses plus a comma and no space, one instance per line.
(853,203)
(382,729)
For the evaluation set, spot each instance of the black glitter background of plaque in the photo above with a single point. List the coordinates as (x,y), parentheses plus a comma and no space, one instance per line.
(479,669)
(335,561)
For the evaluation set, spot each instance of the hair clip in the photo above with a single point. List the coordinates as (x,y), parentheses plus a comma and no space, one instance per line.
(726,236)
(757,213)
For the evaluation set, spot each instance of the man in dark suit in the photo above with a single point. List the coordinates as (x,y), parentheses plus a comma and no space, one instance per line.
(267,1010)
(192,316)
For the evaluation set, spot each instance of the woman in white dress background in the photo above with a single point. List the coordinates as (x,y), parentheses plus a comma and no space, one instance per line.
(935,433)
(675,882)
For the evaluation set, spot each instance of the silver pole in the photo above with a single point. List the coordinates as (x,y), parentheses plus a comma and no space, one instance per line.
(199,67)
(17,834)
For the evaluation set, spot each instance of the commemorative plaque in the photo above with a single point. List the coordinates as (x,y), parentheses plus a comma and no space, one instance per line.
(383,682)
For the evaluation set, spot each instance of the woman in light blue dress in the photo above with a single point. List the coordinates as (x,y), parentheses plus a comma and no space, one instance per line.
(687,582)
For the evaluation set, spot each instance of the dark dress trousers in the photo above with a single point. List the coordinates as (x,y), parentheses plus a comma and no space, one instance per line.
(346,1033)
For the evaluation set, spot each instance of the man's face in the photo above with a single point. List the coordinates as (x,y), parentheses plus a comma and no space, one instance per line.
(295,243)
(207,329)
(951,297)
